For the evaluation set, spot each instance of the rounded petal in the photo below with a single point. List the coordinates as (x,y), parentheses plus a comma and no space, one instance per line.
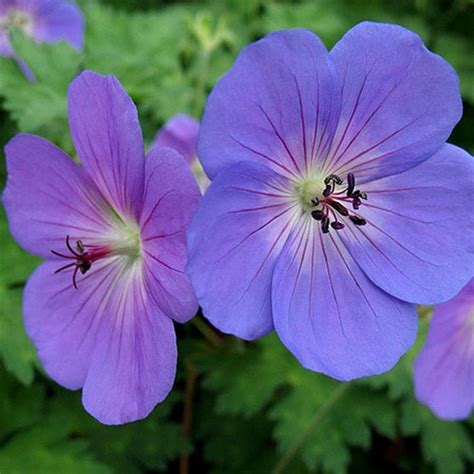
(278,105)
(106,336)
(108,139)
(48,197)
(330,315)
(56,20)
(234,240)
(180,133)
(400,102)
(444,368)
(134,362)
(417,244)
(171,198)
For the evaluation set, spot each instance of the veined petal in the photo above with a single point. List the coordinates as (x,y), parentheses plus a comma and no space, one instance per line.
(278,105)
(107,337)
(234,240)
(400,101)
(133,366)
(108,139)
(56,20)
(444,369)
(48,197)
(62,322)
(417,244)
(330,315)
(171,197)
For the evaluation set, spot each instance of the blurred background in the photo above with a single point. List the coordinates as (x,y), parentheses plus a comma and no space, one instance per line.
(236,407)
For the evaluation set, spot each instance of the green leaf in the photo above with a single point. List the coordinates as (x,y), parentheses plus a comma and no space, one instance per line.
(39,106)
(16,350)
(44,449)
(445,445)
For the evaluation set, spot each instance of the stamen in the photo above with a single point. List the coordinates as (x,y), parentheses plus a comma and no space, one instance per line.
(325,225)
(337,225)
(318,215)
(83,257)
(332,200)
(339,207)
(358,220)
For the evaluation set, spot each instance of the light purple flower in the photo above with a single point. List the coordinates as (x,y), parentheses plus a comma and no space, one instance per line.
(335,203)
(180,132)
(115,229)
(444,368)
(44,20)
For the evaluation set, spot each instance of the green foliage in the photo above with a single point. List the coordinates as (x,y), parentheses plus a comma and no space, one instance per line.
(15,349)
(40,106)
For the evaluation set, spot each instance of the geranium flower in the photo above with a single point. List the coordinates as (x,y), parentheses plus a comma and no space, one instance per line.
(181,132)
(444,368)
(44,20)
(335,203)
(112,231)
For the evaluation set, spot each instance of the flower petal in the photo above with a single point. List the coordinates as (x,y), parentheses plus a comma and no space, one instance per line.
(329,314)
(171,197)
(444,368)
(180,133)
(400,101)
(278,105)
(417,244)
(234,240)
(134,362)
(108,139)
(62,321)
(106,336)
(48,197)
(56,20)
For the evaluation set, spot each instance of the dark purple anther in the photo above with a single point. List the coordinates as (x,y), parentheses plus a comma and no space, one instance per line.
(358,220)
(318,215)
(337,225)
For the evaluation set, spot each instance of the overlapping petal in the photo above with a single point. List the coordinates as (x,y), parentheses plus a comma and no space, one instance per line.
(108,139)
(399,101)
(180,132)
(234,240)
(330,315)
(171,197)
(278,105)
(107,336)
(48,197)
(417,244)
(444,369)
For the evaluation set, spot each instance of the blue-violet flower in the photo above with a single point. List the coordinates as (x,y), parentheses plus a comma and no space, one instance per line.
(336,204)
(112,231)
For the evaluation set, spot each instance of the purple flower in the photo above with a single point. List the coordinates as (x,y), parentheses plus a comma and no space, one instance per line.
(180,132)
(335,203)
(100,309)
(43,20)
(444,369)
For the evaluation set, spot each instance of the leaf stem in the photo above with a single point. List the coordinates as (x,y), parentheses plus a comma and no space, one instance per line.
(318,416)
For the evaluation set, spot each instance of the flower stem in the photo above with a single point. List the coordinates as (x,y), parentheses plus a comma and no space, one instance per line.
(207,332)
(189,391)
(318,416)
